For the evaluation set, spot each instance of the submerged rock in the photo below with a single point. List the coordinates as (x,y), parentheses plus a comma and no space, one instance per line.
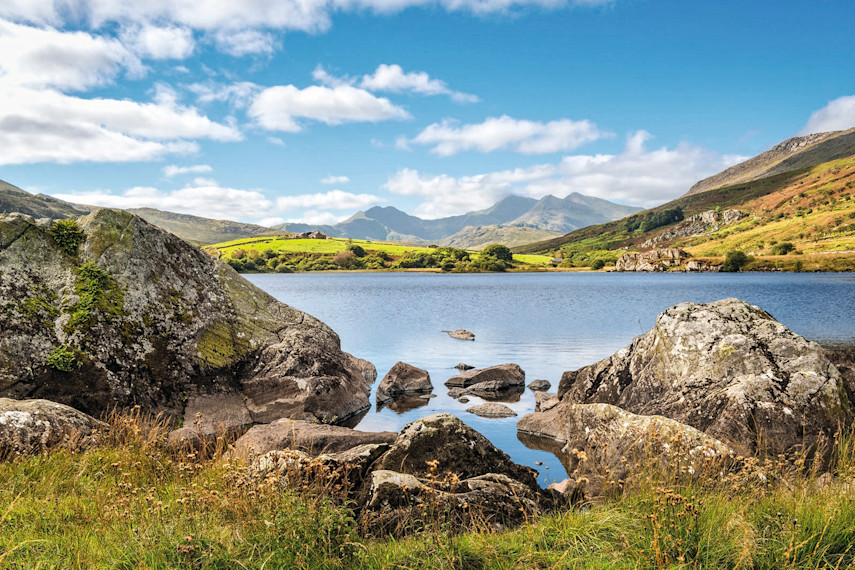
(463,366)
(540,385)
(34,426)
(728,369)
(461,334)
(403,378)
(121,313)
(491,410)
(502,376)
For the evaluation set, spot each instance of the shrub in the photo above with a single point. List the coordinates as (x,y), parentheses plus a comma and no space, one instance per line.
(67,235)
(498,251)
(783,248)
(346,259)
(357,250)
(62,359)
(598,264)
(734,261)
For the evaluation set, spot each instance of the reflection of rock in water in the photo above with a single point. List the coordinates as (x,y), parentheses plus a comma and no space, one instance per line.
(353,421)
(404,404)
(547,444)
(508,395)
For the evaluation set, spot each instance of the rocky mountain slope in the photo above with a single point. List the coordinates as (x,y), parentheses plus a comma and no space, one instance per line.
(108,310)
(198,230)
(792,154)
(13,199)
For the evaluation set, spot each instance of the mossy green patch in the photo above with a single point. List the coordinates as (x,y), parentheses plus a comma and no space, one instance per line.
(221,345)
(67,235)
(63,359)
(97,291)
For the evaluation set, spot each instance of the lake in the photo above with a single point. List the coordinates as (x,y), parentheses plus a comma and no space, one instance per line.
(545,322)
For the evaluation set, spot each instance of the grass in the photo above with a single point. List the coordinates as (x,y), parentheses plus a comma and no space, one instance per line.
(135,503)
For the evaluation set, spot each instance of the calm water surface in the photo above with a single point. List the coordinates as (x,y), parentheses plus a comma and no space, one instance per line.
(545,322)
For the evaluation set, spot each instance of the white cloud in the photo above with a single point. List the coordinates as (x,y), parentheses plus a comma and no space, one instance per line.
(335,180)
(49,126)
(507,133)
(332,200)
(169,42)
(209,201)
(392,78)
(39,58)
(279,108)
(838,115)
(314,217)
(636,176)
(270,222)
(245,42)
(275,140)
(239,94)
(172,170)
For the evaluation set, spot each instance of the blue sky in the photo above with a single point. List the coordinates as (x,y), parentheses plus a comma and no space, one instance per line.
(268,111)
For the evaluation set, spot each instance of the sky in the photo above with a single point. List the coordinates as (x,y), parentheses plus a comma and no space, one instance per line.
(272,111)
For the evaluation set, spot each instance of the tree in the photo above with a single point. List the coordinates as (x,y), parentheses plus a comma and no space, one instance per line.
(734,261)
(357,250)
(498,251)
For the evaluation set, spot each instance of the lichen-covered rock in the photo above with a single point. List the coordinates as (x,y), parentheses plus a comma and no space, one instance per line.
(33,426)
(403,378)
(503,376)
(728,369)
(655,260)
(398,504)
(600,444)
(312,438)
(457,449)
(132,315)
(491,410)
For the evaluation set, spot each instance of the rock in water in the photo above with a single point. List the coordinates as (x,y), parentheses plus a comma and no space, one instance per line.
(728,369)
(503,376)
(33,426)
(403,378)
(116,312)
(463,366)
(461,334)
(491,410)
(540,386)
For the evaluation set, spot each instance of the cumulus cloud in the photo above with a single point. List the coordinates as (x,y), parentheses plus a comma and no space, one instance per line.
(838,115)
(506,133)
(40,58)
(173,170)
(314,217)
(332,200)
(335,180)
(392,78)
(169,42)
(209,200)
(239,94)
(636,176)
(245,42)
(280,108)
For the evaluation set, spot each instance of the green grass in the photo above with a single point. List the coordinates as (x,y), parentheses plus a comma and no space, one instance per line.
(134,503)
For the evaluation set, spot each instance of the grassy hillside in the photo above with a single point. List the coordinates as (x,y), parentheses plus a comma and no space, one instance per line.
(200,230)
(284,255)
(13,199)
(477,237)
(812,208)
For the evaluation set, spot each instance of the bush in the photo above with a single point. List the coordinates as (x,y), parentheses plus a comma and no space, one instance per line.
(67,235)
(62,359)
(734,261)
(598,264)
(346,259)
(783,248)
(498,251)
(357,250)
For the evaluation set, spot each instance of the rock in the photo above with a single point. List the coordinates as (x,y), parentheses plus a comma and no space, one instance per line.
(461,334)
(463,400)
(397,504)
(544,401)
(506,374)
(540,385)
(457,392)
(728,369)
(655,260)
(463,366)
(603,444)
(704,223)
(403,379)
(491,410)
(136,316)
(311,438)
(457,449)
(34,426)
(844,360)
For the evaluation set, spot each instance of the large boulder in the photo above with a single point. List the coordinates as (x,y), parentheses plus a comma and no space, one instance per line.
(312,438)
(500,377)
(655,260)
(728,369)
(33,426)
(403,378)
(491,410)
(600,444)
(132,315)
(455,447)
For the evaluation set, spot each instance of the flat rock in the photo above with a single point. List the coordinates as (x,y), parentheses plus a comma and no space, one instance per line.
(463,366)
(311,438)
(35,426)
(728,369)
(461,334)
(491,410)
(506,375)
(457,392)
(544,401)
(540,385)
(403,378)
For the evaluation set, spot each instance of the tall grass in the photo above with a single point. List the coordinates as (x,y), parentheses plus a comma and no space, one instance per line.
(134,502)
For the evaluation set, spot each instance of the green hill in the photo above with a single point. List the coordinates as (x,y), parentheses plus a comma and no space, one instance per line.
(13,199)
(200,230)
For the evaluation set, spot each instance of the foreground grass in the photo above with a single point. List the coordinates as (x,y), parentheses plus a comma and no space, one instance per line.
(132,503)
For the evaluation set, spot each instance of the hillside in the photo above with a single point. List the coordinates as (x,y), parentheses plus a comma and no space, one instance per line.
(201,230)
(792,154)
(13,199)
(514,219)
(810,208)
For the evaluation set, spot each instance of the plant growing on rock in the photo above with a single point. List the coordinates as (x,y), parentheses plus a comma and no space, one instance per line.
(62,359)
(67,235)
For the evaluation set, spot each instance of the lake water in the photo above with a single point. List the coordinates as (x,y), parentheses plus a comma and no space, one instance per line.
(545,322)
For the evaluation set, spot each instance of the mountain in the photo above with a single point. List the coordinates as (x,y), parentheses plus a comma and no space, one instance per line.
(809,209)
(514,219)
(792,154)
(13,199)
(201,230)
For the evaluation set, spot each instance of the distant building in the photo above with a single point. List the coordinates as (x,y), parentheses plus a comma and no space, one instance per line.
(311,235)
